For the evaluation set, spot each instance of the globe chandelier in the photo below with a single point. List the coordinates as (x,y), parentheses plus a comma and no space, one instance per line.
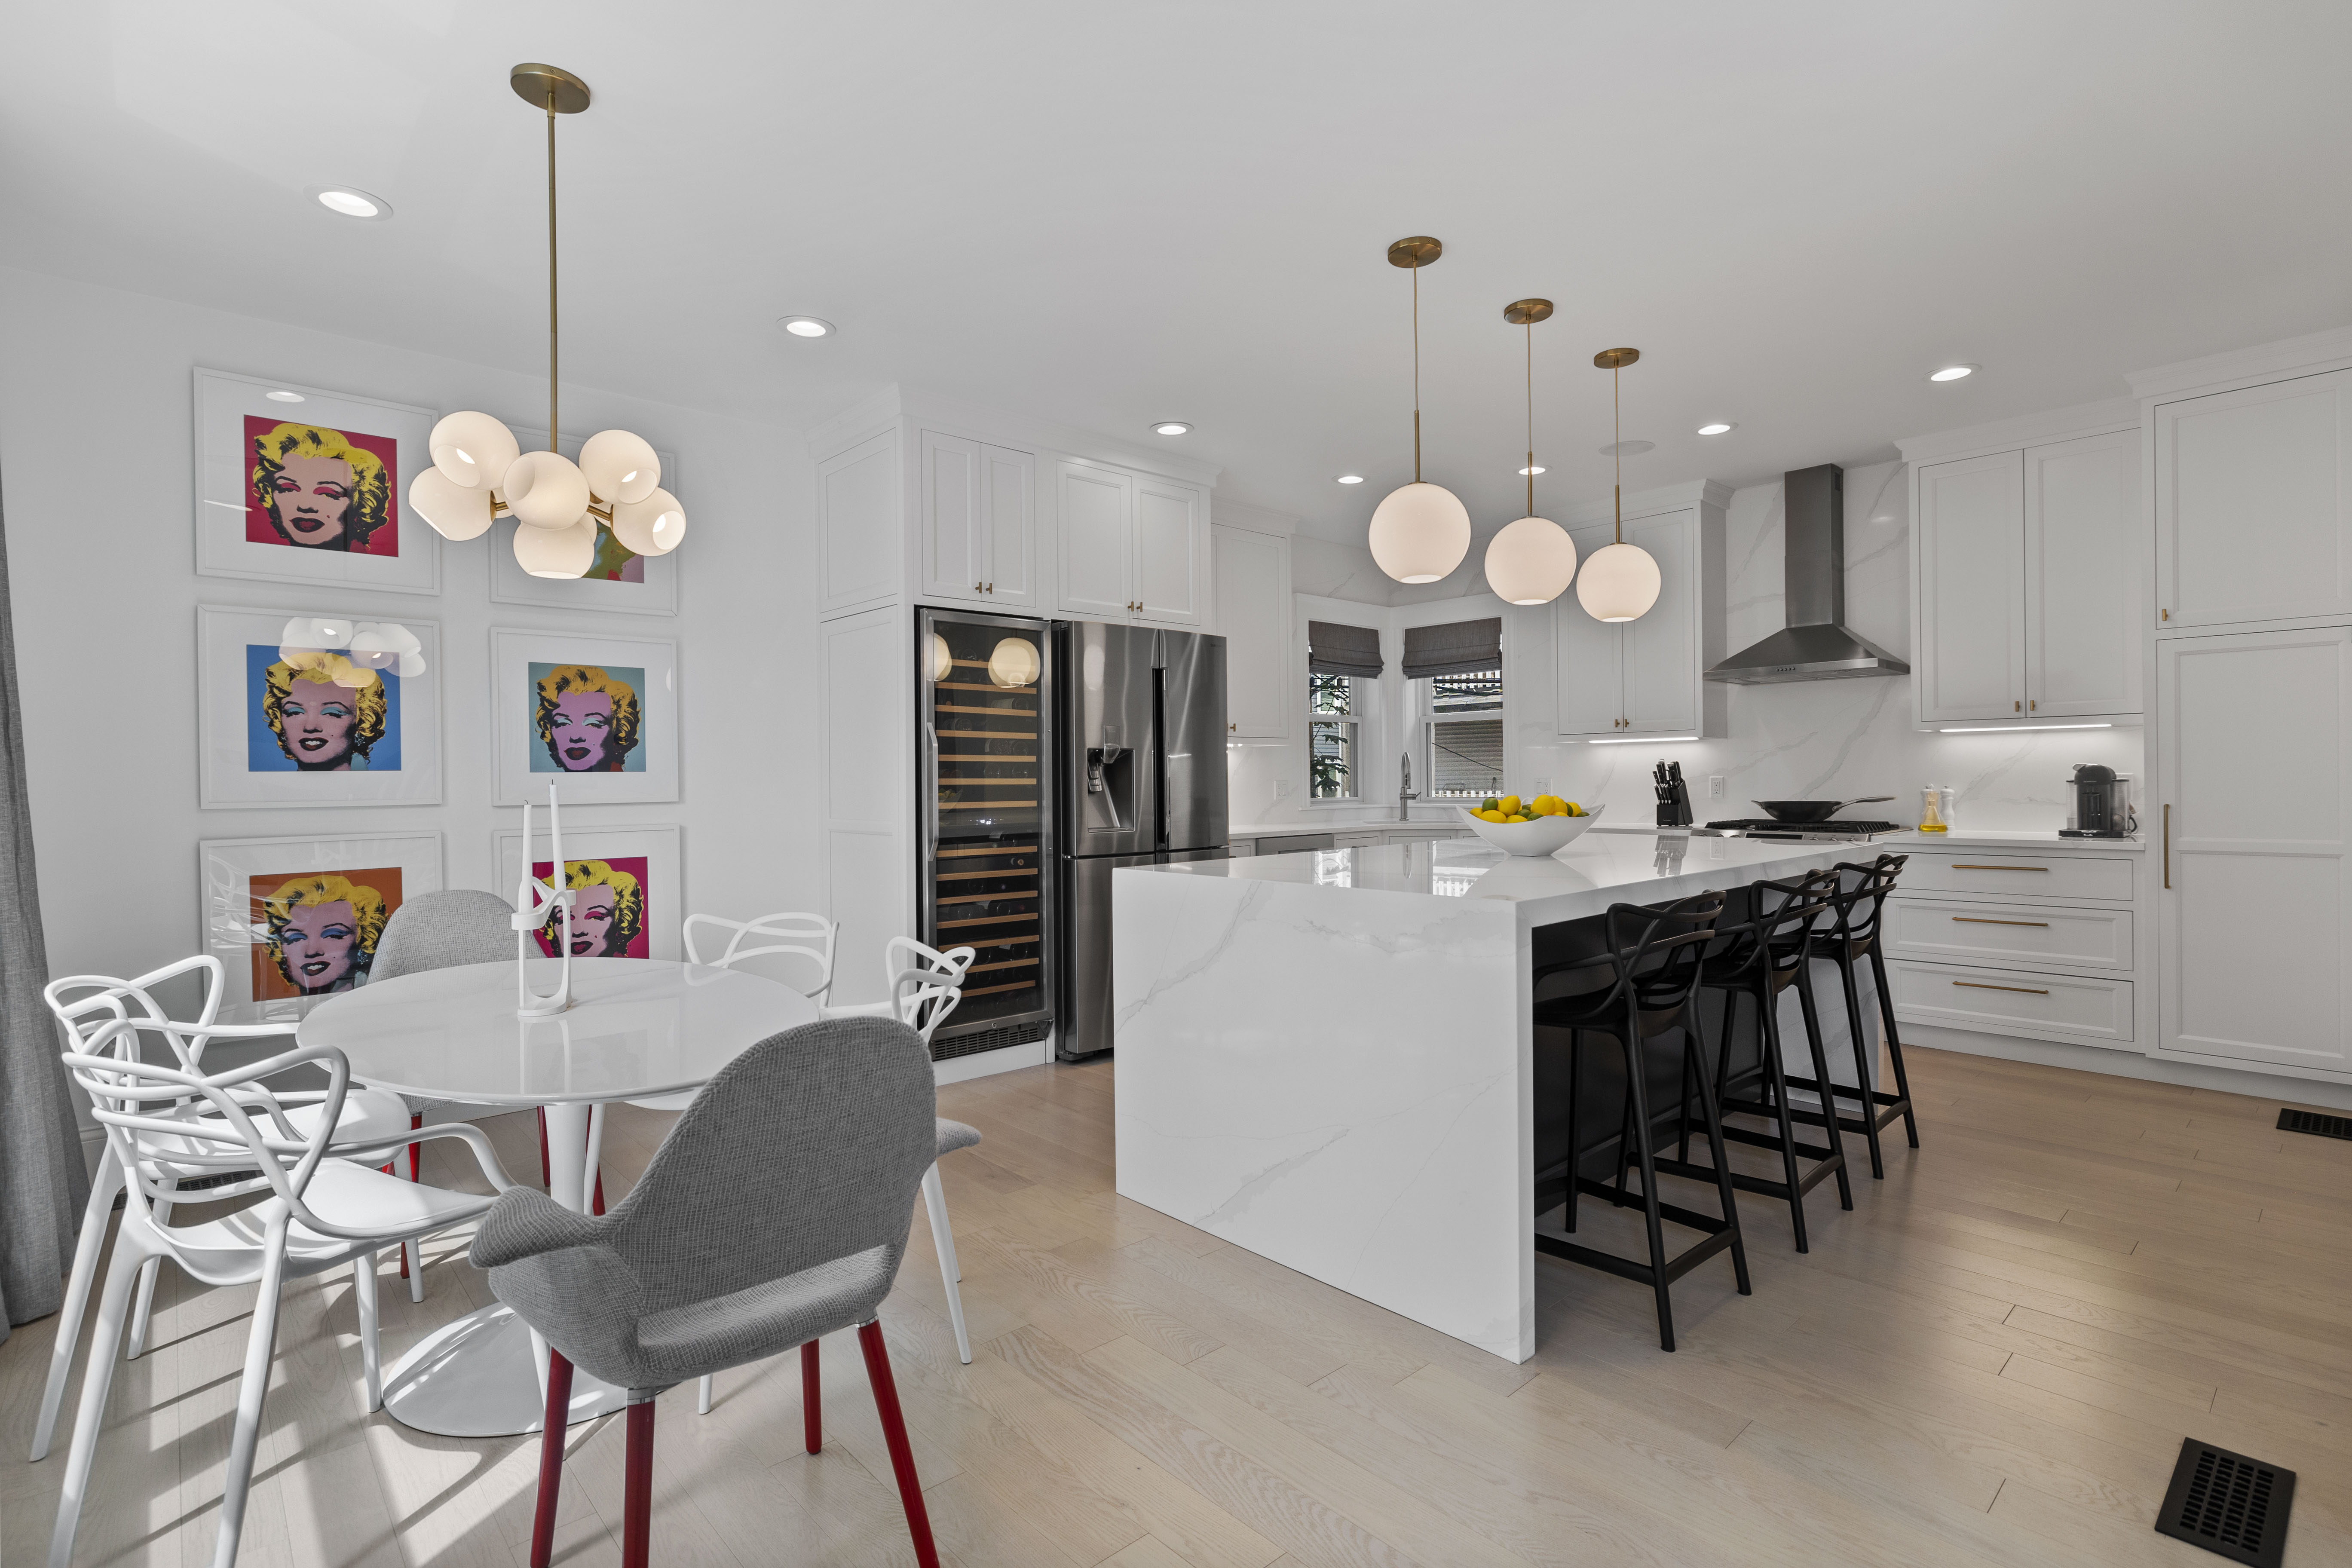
(1620,581)
(1532,561)
(1420,531)
(563,510)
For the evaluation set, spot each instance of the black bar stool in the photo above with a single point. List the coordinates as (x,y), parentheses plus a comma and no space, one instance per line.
(1765,956)
(1653,959)
(1853,934)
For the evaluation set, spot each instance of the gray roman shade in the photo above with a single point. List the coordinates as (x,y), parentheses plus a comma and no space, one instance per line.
(1458,648)
(1336,649)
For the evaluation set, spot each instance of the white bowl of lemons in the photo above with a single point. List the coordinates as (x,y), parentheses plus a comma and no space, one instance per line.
(1539,827)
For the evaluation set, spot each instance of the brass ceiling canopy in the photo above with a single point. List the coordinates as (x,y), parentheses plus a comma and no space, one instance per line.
(1615,359)
(1415,251)
(1527,312)
(551,88)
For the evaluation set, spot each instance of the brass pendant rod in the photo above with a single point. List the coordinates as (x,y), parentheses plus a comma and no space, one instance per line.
(1617,448)
(1416,372)
(1531,419)
(550,266)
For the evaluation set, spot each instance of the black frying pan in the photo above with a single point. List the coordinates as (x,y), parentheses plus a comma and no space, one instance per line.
(1813,810)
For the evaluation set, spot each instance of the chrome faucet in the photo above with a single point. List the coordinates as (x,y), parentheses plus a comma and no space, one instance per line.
(1405,791)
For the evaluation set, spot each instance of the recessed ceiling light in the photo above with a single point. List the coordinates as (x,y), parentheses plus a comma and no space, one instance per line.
(1718,428)
(1536,469)
(1628,448)
(1956,372)
(806,326)
(1350,478)
(283,396)
(351,202)
(1172,428)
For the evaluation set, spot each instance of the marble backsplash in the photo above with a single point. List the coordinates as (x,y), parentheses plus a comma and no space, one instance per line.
(1812,740)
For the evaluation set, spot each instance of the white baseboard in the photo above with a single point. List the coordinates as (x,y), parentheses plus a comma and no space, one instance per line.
(2132,1063)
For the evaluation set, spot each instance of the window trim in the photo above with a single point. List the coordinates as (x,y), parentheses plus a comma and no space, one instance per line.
(1425,720)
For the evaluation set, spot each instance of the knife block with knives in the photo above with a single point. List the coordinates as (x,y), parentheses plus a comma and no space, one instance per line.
(1674,795)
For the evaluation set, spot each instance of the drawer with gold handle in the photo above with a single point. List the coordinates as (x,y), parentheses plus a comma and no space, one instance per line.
(2027,936)
(2089,1009)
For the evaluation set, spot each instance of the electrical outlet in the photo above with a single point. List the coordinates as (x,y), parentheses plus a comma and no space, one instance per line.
(1282,787)
(1715,786)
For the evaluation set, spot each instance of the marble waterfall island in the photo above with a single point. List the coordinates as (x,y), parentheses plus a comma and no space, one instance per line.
(1328,1057)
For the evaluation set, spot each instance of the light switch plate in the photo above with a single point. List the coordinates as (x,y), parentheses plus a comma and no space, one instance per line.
(1542,784)
(1715,786)
(1282,787)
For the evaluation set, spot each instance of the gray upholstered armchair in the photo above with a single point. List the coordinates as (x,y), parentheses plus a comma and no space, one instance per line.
(777,1210)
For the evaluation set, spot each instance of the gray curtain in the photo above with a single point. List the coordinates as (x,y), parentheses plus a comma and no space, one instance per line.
(43,1183)
(1458,647)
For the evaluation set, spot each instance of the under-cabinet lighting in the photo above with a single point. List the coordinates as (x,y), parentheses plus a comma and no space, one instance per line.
(1999,729)
(1637,740)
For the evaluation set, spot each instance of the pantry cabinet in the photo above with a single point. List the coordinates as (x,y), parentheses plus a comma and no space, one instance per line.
(2026,583)
(2253,503)
(1646,676)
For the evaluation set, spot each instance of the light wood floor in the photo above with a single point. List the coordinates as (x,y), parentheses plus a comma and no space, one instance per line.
(1991,1361)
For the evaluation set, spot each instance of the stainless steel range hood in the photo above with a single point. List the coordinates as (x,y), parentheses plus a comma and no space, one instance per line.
(1815,645)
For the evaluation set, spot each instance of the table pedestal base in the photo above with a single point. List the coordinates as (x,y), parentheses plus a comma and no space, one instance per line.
(479,1377)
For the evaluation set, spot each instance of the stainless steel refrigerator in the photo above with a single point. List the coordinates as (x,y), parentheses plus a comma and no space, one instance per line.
(1141,780)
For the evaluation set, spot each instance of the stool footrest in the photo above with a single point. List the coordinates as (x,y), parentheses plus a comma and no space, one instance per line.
(1763,1186)
(1675,1212)
(1557,1245)
(1767,1140)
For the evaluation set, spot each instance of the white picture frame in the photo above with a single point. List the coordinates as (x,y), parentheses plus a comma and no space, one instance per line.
(235,877)
(228,517)
(510,585)
(241,761)
(636,764)
(656,846)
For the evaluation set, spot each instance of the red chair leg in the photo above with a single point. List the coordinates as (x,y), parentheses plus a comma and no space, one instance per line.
(894,1433)
(546,1177)
(812,1416)
(597,1207)
(637,1487)
(551,1457)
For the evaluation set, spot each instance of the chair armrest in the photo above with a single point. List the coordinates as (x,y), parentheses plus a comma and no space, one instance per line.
(525,1222)
(472,1136)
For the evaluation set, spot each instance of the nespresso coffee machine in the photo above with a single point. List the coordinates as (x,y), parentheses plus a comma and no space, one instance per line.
(2102,804)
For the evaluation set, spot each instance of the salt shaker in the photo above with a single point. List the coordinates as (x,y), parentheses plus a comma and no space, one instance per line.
(1947,799)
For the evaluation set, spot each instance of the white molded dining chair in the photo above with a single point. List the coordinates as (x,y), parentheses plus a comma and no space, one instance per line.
(85,1005)
(806,939)
(315,1212)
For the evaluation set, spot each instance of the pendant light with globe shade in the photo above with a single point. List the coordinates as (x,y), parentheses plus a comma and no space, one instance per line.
(1620,582)
(1532,561)
(479,471)
(1420,531)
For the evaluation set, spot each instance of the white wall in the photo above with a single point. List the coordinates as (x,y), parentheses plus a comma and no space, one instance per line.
(96,457)
(1812,740)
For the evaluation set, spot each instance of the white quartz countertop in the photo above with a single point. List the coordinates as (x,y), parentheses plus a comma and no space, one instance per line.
(1996,838)
(1285,829)
(1582,879)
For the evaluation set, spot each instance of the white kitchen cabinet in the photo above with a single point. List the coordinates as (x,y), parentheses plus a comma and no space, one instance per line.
(1098,541)
(1647,676)
(978,513)
(1253,577)
(2253,503)
(2253,757)
(1134,547)
(2027,583)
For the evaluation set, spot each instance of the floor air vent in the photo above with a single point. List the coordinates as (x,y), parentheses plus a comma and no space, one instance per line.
(2312,1121)
(2230,1505)
(990,1040)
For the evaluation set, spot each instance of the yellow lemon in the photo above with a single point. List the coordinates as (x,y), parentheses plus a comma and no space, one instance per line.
(1574,809)
(1509,805)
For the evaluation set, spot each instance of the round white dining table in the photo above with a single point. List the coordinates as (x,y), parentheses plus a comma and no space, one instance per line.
(636,1029)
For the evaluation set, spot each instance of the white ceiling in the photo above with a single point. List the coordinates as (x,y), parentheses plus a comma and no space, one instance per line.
(1109,214)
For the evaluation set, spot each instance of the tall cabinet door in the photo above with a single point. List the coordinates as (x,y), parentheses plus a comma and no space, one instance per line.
(1589,668)
(2253,503)
(1097,506)
(1172,553)
(2254,869)
(2082,577)
(1254,614)
(1008,495)
(955,520)
(1661,649)
(1971,542)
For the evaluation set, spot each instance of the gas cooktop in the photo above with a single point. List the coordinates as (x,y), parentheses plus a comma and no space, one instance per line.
(1838,830)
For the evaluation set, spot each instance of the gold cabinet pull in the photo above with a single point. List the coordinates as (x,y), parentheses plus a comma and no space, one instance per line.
(1980,986)
(1983,920)
(2031,706)
(2016,707)
(976,588)
(1959,865)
